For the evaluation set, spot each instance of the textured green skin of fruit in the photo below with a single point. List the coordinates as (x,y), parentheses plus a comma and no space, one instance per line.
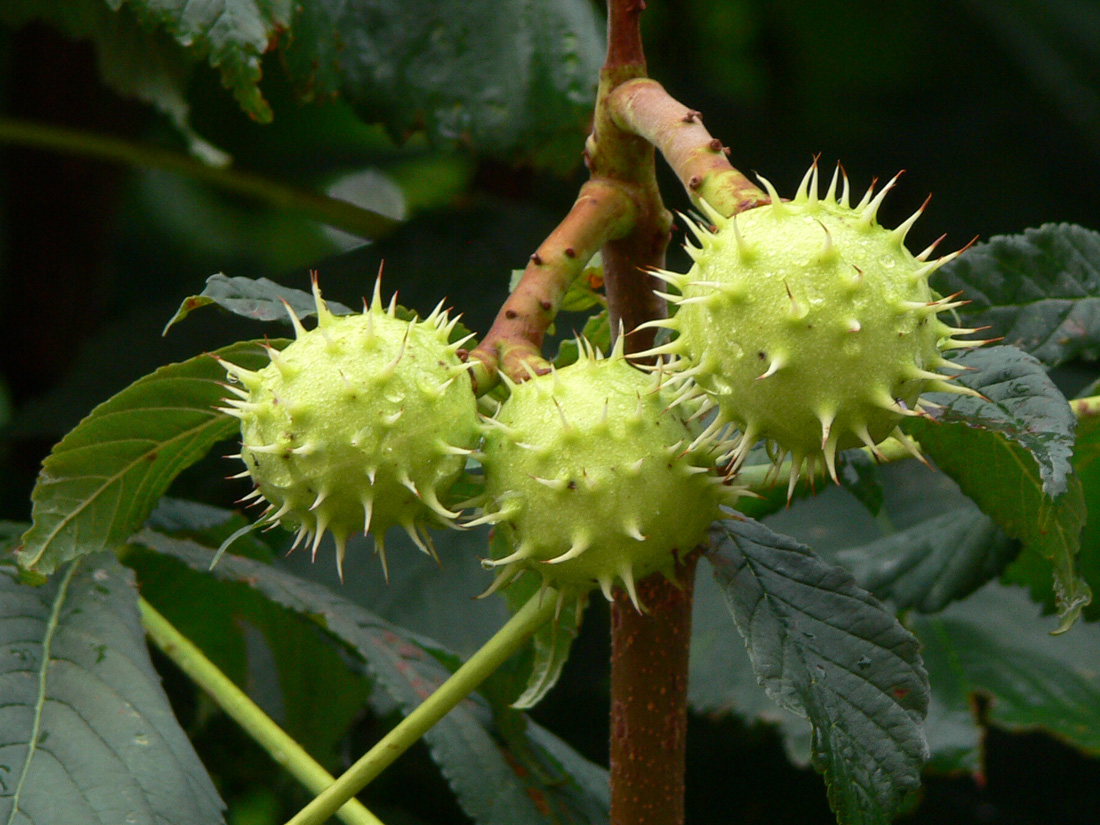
(809,325)
(582,464)
(363,422)
(828,367)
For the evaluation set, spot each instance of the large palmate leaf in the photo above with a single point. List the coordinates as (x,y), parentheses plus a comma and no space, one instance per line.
(1039,290)
(498,75)
(504,768)
(1010,452)
(289,666)
(933,562)
(133,60)
(721,679)
(996,645)
(102,480)
(86,733)
(512,78)
(826,649)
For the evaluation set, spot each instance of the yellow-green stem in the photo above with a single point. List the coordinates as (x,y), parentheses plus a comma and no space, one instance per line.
(331,211)
(533,615)
(235,702)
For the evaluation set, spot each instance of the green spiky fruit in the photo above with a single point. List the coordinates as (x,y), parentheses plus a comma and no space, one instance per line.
(594,479)
(363,423)
(808,324)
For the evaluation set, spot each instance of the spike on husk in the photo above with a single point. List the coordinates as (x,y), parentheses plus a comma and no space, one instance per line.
(361,424)
(832,313)
(563,461)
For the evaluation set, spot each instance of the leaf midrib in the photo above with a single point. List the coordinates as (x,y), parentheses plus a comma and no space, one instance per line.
(109,482)
(40,701)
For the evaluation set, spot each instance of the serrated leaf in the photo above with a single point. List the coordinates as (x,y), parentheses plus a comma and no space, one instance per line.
(496,785)
(101,481)
(260,299)
(507,77)
(1040,290)
(514,79)
(288,667)
(934,562)
(1086,463)
(721,679)
(996,644)
(824,648)
(231,35)
(1010,452)
(1021,404)
(133,61)
(86,733)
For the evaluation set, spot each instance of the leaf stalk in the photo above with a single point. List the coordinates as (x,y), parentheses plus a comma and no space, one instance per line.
(279,745)
(534,614)
(331,211)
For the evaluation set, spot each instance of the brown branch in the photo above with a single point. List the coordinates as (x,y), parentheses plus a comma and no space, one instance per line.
(649,666)
(642,107)
(649,652)
(624,35)
(631,299)
(603,211)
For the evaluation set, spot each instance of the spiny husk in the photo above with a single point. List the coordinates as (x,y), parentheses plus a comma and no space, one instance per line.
(595,479)
(808,325)
(363,423)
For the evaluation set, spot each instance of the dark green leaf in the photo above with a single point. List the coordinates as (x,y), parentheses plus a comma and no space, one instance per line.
(1010,452)
(261,299)
(133,61)
(505,76)
(996,645)
(496,785)
(289,668)
(934,562)
(231,35)
(721,679)
(1021,405)
(857,472)
(1039,290)
(826,649)
(435,599)
(515,79)
(86,732)
(102,480)
(1086,463)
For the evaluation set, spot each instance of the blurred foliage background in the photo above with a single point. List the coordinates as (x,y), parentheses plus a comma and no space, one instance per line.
(994,107)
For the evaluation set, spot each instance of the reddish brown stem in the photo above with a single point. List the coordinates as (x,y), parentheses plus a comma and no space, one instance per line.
(631,299)
(642,107)
(649,652)
(624,35)
(603,211)
(649,666)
